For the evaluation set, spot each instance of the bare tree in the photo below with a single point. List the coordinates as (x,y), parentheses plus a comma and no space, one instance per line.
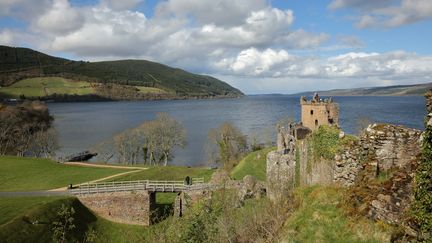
(170,133)
(19,124)
(153,141)
(44,143)
(231,143)
(128,146)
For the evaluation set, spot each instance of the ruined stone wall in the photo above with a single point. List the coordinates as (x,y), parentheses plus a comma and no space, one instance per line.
(184,200)
(347,165)
(382,147)
(122,207)
(390,146)
(280,173)
(320,172)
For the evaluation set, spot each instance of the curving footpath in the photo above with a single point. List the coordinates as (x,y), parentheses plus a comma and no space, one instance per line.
(62,191)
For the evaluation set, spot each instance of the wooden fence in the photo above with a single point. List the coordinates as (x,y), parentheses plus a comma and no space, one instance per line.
(141,185)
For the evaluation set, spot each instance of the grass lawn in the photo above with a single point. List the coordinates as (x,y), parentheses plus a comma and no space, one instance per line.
(30,174)
(253,164)
(39,87)
(167,173)
(319,218)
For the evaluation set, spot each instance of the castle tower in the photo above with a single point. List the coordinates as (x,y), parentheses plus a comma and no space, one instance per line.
(317,112)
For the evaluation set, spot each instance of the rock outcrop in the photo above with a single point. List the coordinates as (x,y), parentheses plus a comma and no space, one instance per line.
(251,188)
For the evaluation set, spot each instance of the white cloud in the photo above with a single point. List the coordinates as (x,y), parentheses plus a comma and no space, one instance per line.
(397,65)
(254,62)
(6,37)
(61,18)
(218,12)
(170,37)
(248,42)
(302,40)
(386,13)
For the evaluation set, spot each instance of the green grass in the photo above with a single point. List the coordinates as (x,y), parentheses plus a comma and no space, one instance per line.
(150,90)
(11,207)
(29,174)
(167,173)
(40,87)
(253,164)
(319,218)
(18,213)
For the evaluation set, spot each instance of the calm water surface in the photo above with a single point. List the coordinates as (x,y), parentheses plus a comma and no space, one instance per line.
(83,125)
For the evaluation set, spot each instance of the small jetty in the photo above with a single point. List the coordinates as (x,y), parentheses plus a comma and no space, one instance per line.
(79,157)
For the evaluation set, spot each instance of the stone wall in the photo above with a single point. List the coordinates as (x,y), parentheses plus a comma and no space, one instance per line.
(320,172)
(184,200)
(390,146)
(379,170)
(347,165)
(122,207)
(280,173)
(382,147)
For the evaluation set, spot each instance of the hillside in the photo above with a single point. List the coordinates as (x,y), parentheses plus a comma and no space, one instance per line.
(396,90)
(17,64)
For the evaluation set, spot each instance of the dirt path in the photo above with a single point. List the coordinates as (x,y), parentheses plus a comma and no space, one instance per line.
(132,170)
(105,166)
(63,190)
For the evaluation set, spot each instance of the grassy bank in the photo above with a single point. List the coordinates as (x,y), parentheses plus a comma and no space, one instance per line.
(167,173)
(19,214)
(31,174)
(12,207)
(315,215)
(253,164)
(319,218)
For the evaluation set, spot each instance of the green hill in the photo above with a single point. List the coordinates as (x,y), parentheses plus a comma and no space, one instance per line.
(396,90)
(17,64)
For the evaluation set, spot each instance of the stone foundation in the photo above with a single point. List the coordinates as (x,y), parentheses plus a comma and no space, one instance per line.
(122,207)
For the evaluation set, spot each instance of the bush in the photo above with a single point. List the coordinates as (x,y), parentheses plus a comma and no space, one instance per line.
(422,204)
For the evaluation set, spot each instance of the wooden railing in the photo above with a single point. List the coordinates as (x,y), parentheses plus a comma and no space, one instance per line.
(141,185)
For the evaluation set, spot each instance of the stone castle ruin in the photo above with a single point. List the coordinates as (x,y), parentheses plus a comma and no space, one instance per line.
(317,112)
(378,166)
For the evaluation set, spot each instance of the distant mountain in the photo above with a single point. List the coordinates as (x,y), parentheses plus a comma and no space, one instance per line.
(396,90)
(22,63)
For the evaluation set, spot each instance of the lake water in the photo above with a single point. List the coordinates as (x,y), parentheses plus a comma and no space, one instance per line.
(83,125)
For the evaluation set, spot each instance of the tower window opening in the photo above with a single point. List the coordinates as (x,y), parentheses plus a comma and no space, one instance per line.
(311,112)
(316,122)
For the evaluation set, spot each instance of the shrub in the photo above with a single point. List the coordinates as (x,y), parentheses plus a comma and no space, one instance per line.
(422,203)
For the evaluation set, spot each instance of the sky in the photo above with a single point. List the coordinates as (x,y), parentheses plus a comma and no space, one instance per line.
(258,46)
